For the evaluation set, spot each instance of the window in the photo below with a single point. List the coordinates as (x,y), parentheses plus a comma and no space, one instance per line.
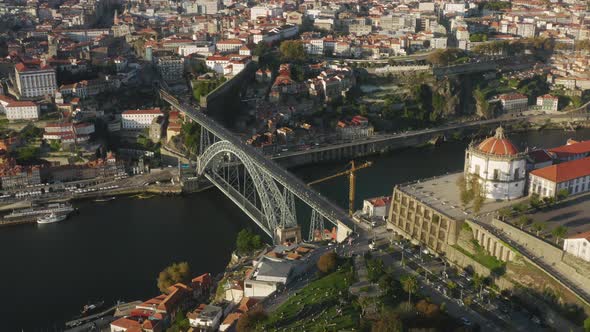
(496,174)
(516,174)
(477,169)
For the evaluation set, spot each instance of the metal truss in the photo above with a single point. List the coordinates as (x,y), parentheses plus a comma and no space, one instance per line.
(252,189)
(316,225)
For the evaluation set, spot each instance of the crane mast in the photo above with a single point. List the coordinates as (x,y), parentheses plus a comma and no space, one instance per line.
(352,182)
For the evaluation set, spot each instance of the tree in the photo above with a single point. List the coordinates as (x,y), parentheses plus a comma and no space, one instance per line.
(389,285)
(427,309)
(410,285)
(535,201)
(248,321)
(481,104)
(375,269)
(389,321)
(180,324)
(523,221)
(175,273)
(539,226)
(247,242)
(559,232)
(562,194)
(587,324)
(327,262)
(292,51)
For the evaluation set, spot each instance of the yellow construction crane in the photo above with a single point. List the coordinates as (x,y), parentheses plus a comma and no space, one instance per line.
(352,186)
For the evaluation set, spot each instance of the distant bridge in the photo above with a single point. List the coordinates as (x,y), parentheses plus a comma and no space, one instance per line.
(265,191)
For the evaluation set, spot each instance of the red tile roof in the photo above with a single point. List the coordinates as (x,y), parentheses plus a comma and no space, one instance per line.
(585,235)
(565,171)
(571,149)
(152,111)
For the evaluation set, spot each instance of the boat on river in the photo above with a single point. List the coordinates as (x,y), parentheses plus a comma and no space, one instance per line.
(105,199)
(57,208)
(51,218)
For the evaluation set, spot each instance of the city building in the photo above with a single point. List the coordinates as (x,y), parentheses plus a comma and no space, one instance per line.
(139,119)
(170,68)
(34,80)
(548,102)
(205,317)
(514,102)
(571,151)
(357,127)
(377,207)
(22,110)
(157,129)
(572,176)
(578,245)
(498,167)
(266,277)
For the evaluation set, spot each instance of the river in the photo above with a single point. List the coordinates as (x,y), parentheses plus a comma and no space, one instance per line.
(114,250)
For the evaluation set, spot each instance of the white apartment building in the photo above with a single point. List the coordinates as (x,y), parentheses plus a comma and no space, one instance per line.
(200,49)
(439,42)
(229,45)
(514,102)
(205,317)
(35,81)
(265,11)
(578,245)
(548,102)
(573,176)
(526,30)
(139,119)
(22,110)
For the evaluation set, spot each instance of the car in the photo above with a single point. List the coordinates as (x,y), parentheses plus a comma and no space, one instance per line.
(465,321)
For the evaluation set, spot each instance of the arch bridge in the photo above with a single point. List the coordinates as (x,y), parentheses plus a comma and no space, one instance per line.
(261,188)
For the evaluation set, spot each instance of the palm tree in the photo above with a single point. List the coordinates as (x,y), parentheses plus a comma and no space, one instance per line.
(559,232)
(410,285)
(539,226)
(523,221)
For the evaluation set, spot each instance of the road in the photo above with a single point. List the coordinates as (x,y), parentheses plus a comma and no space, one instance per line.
(359,247)
(378,138)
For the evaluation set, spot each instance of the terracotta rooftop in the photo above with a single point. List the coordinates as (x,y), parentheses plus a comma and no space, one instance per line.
(571,149)
(565,171)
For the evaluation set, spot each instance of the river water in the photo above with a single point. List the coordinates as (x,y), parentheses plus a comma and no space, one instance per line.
(114,250)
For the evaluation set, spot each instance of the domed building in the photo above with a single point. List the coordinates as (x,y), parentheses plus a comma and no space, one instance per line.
(499,167)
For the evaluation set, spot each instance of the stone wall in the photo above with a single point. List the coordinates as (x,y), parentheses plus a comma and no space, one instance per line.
(542,248)
(398,69)
(228,87)
(463,261)
(491,243)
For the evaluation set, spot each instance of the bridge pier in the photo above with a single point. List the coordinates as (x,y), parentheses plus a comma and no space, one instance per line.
(288,234)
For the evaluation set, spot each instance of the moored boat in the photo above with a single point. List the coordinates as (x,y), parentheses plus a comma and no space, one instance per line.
(51,218)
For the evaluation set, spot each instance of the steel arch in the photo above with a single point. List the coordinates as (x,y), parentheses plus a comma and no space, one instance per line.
(274,205)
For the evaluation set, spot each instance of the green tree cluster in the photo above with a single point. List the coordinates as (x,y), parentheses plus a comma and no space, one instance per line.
(478,37)
(497,5)
(482,106)
(249,321)
(327,262)
(190,133)
(247,242)
(27,154)
(444,57)
(203,87)
(177,272)
(292,51)
(375,269)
